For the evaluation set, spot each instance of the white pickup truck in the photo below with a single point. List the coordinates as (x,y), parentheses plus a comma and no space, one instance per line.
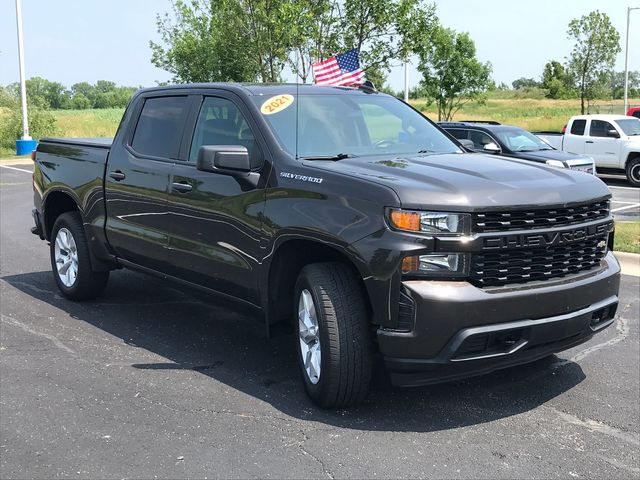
(613,141)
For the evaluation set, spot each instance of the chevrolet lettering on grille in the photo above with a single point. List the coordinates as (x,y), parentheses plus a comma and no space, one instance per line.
(546,239)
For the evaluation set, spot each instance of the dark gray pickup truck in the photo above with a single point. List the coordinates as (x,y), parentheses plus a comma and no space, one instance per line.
(345,213)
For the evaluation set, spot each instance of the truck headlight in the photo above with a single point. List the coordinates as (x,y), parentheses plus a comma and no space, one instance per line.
(435,223)
(555,163)
(437,265)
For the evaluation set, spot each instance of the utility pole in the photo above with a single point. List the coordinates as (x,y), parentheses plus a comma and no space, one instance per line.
(626,62)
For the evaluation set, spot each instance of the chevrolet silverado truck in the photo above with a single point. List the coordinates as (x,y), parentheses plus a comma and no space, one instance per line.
(345,213)
(613,141)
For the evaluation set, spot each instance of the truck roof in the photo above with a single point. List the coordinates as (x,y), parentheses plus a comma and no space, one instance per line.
(269,88)
(599,116)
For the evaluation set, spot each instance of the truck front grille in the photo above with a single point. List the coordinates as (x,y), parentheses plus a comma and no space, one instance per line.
(520,266)
(538,218)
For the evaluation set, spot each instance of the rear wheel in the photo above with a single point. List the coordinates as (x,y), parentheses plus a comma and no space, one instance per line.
(633,172)
(71,261)
(334,351)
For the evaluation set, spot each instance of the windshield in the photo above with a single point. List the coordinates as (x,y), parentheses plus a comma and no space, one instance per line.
(519,140)
(630,126)
(350,125)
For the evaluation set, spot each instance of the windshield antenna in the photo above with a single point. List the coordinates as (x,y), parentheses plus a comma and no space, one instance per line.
(297,100)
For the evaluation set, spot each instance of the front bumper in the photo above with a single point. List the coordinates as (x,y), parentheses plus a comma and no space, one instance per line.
(461,330)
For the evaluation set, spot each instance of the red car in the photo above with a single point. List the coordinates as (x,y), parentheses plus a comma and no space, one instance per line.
(634,112)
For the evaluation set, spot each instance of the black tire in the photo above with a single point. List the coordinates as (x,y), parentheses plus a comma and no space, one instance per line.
(88,283)
(341,313)
(633,172)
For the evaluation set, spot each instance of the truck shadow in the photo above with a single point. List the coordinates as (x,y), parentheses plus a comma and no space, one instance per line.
(194,332)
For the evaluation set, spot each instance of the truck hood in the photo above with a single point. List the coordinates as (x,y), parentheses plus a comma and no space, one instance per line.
(470,182)
(544,155)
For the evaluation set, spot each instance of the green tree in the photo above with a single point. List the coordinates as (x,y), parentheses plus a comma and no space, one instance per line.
(314,35)
(556,80)
(225,40)
(522,83)
(617,84)
(596,44)
(80,102)
(385,30)
(86,90)
(41,92)
(249,40)
(452,75)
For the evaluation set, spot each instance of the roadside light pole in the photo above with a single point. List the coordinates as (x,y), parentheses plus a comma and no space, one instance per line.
(23,87)
(406,81)
(626,62)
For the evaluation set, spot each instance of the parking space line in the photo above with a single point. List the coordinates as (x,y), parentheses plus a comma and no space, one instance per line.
(620,201)
(17,169)
(635,205)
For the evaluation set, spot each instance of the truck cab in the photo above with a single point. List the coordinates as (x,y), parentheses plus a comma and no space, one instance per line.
(612,140)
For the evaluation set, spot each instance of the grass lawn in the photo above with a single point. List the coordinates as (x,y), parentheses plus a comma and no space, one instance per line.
(8,158)
(627,237)
(88,123)
(530,114)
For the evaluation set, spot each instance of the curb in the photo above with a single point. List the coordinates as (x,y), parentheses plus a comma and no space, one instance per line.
(629,263)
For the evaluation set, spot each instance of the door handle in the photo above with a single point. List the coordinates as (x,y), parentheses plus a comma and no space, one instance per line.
(117,175)
(589,141)
(181,187)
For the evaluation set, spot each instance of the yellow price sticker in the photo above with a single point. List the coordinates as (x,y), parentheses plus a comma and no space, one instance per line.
(276,104)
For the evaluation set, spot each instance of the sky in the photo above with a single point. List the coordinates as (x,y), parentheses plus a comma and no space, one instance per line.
(71,41)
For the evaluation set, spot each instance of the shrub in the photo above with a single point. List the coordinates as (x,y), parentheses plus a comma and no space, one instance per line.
(41,124)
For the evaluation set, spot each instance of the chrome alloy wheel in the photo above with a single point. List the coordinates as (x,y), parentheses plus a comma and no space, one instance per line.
(66,255)
(309,333)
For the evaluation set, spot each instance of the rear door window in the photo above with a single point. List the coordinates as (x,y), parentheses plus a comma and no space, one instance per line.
(160,126)
(459,133)
(578,126)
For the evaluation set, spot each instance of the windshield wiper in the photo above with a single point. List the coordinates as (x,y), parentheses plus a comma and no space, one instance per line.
(333,158)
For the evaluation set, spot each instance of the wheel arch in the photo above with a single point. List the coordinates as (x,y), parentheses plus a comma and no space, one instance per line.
(287,261)
(55,203)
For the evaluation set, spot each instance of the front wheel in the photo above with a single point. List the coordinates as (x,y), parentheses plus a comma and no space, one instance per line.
(633,172)
(334,350)
(71,262)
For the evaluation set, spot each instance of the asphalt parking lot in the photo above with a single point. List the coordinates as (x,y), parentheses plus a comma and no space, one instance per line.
(155,381)
(625,203)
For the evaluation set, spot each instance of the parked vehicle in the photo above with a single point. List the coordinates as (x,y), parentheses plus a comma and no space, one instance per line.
(612,140)
(514,142)
(634,112)
(345,213)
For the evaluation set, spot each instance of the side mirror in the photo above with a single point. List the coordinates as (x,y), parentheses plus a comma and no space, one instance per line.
(466,143)
(613,133)
(224,159)
(491,148)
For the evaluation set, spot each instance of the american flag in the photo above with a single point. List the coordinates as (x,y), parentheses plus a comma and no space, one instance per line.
(343,69)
